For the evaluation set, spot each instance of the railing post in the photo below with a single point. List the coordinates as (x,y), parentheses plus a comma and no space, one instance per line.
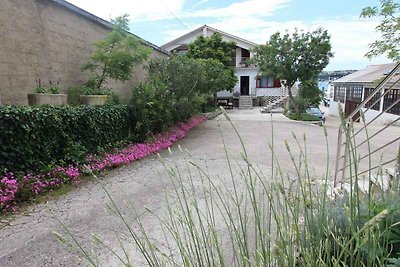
(338,155)
(397,167)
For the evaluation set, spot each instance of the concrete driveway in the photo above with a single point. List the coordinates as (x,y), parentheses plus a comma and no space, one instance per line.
(28,239)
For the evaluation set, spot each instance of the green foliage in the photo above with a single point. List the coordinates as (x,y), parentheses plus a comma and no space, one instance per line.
(342,223)
(298,105)
(188,76)
(152,108)
(302,117)
(51,89)
(34,137)
(54,88)
(95,91)
(73,94)
(301,56)
(212,47)
(215,50)
(388,44)
(116,55)
(176,89)
(309,90)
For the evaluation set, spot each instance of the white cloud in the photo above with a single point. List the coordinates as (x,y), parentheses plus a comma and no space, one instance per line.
(243,9)
(199,3)
(137,9)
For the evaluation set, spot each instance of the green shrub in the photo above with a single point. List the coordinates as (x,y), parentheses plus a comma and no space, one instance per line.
(298,104)
(302,117)
(34,137)
(152,109)
(73,94)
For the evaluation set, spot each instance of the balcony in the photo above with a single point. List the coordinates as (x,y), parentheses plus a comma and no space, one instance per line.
(244,62)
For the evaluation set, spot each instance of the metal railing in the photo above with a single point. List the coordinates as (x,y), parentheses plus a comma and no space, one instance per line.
(368,148)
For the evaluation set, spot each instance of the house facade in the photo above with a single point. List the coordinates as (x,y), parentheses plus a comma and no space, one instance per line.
(349,91)
(251,88)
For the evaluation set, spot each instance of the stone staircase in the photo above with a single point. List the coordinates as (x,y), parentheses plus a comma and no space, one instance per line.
(245,102)
(277,101)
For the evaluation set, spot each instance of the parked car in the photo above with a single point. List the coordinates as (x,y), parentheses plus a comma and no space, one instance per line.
(316,112)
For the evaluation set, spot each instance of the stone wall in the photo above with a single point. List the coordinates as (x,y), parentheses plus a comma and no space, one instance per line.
(40,39)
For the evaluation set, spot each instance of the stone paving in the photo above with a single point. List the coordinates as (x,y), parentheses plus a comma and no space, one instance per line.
(27,239)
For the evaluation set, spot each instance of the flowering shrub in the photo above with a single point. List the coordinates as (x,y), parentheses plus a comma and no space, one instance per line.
(15,189)
(8,188)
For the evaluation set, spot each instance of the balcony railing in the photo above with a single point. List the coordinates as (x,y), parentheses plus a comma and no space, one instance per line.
(244,62)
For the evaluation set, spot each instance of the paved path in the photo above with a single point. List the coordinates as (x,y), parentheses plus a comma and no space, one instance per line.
(28,239)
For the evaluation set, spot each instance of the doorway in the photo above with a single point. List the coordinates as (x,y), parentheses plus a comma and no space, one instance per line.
(244,85)
(349,107)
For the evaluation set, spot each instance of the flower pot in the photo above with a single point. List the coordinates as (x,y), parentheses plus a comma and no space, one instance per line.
(47,99)
(93,100)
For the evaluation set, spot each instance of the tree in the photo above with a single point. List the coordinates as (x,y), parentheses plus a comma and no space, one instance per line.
(389,28)
(212,47)
(301,56)
(187,77)
(176,89)
(215,48)
(309,90)
(116,55)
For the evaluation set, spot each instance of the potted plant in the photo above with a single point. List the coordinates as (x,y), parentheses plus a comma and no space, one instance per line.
(50,95)
(93,95)
(114,57)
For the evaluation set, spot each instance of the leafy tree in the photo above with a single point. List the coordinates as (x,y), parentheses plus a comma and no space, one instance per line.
(176,88)
(116,55)
(212,47)
(389,28)
(188,76)
(301,56)
(216,77)
(309,90)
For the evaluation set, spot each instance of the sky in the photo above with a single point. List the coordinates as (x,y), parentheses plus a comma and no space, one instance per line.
(160,21)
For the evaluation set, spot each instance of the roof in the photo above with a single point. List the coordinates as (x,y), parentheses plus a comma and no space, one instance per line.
(200,30)
(368,74)
(83,13)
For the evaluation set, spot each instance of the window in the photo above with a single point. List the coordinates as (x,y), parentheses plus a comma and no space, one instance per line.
(355,93)
(391,98)
(375,101)
(265,82)
(339,94)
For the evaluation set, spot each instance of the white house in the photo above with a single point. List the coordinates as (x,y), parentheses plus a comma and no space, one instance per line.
(251,86)
(349,91)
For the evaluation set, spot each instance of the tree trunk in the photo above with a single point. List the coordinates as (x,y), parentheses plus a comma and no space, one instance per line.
(291,99)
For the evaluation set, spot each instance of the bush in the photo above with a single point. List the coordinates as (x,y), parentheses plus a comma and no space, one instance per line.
(302,117)
(73,94)
(298,104)
(340,231)
(151,109)
(31,138)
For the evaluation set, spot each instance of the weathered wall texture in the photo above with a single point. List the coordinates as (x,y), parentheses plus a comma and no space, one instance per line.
(41,39)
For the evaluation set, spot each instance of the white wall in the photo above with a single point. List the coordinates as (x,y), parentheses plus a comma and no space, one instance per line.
(334,108)
(252,73)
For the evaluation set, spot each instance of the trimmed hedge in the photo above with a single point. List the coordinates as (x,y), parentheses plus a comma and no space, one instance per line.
(32,138)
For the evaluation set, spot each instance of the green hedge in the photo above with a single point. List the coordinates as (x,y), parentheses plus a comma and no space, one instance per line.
(32,138)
